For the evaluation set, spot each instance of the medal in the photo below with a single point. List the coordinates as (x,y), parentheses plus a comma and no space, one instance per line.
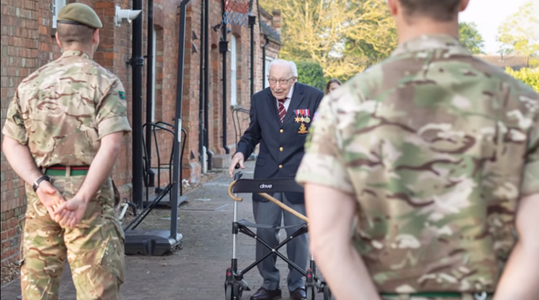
(303,129)
(297,119)
(303,116)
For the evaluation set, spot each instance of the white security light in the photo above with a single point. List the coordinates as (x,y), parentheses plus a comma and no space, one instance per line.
(125,15)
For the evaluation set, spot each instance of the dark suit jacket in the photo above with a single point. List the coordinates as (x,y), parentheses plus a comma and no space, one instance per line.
(281,146)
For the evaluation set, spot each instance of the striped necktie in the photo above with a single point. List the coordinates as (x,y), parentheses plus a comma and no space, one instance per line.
(282,109)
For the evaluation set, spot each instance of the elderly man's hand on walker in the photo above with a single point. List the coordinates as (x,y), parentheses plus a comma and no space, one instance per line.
(237,159)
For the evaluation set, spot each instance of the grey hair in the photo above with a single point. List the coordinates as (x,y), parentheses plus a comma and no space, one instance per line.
(294,68)
(282,62)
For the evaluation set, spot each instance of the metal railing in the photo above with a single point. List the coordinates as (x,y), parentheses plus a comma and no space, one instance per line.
(237,120)
(160,192)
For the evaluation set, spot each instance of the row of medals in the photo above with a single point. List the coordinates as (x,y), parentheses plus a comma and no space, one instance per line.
(302,119)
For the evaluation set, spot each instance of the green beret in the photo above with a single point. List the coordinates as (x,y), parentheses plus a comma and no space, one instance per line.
(79,14)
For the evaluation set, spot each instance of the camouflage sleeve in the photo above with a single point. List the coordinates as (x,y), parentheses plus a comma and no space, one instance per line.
(14,125)
(323,163)
(530,184)
(112,111)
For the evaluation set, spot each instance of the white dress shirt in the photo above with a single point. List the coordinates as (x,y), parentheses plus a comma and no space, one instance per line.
(288,99)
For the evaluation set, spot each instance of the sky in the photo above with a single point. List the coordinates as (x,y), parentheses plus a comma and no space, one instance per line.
(489,15)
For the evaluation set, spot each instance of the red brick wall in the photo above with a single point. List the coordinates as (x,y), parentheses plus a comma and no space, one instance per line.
(216,87)
(165,20)
(26,45)
(243,38)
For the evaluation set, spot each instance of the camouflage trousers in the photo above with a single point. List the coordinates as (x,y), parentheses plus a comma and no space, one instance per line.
(94,248)
(465,296)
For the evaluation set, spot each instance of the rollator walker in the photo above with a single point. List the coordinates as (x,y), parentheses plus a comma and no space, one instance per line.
(234,282)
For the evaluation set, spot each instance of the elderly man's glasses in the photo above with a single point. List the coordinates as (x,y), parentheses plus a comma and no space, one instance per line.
(274,81)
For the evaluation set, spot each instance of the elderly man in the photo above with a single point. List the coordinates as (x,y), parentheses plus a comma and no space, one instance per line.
(280,120)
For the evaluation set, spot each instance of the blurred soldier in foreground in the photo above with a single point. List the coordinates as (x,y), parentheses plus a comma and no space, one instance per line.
(62,135)
(435,154)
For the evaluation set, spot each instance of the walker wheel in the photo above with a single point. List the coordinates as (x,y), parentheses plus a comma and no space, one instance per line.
(238,291)
(229,295)
(310,293)
(327,293)
(233,291)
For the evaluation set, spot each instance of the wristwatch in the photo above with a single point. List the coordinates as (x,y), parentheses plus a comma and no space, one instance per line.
(39,180)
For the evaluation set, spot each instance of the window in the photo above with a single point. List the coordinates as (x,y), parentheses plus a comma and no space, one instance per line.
(268,63)
(56,6)
(233,72)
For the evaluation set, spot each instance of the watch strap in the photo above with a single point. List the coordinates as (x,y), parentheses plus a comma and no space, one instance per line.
(39,180)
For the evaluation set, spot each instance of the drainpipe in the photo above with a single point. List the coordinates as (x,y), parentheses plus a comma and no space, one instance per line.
(206,85)
(137,61)
(149,83)
(201,90)
(252,20)
(177,167)
(264,61)
(223,47)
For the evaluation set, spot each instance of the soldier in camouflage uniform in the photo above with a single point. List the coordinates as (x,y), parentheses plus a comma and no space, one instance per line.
(433,154)
(62,135)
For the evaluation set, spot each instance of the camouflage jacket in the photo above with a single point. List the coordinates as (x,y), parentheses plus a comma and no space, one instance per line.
(437,146)
(62,110)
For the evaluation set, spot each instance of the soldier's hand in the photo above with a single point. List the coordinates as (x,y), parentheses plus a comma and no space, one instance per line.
(71,212)
(237,159)
(50,197)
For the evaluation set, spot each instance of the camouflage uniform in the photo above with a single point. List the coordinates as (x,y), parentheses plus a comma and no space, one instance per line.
(437,146)
(61,112)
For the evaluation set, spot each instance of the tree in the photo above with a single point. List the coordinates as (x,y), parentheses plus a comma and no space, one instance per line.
(342,36)
(470,37)
(311,73)
(526,75)
(382,39)
(519,34)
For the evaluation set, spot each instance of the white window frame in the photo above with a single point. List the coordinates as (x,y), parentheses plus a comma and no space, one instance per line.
(233,71)
(268,63)
(154,73)
(56,7)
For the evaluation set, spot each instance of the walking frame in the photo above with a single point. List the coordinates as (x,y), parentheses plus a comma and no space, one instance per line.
(234,282)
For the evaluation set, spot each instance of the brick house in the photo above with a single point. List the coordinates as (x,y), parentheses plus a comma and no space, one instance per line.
(515,62)
(28,28)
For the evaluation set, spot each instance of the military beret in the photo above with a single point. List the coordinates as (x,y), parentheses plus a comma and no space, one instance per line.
(79,14)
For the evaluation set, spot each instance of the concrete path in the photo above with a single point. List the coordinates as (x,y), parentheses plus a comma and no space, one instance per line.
(197,271)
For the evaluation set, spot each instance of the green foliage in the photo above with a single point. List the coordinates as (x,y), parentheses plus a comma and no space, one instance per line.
(526,75)
(470,37)
(377,44)
(311,73)
(343,37)
(534,62)
(519,34)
